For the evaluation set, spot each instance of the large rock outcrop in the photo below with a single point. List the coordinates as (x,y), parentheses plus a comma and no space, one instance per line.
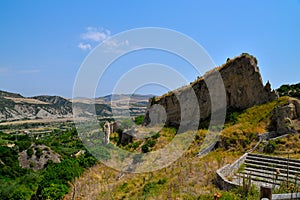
(285,119)
(243,84)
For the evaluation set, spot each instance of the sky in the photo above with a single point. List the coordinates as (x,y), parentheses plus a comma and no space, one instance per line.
(44,43)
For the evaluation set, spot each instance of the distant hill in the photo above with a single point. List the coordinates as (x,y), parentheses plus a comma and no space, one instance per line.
(9,94)
(57,100)
(118,97)
(17,107)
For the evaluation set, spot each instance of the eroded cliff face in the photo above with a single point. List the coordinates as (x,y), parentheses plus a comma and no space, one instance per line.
(243,85)
(286,118)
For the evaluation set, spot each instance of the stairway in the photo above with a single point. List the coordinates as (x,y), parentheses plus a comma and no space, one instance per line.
(268,170)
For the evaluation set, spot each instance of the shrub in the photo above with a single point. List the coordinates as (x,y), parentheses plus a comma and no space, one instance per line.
(139,119)
(38,152)
(31,164)
(56,191)
(149,188)
(162,181)
(135,145)
(29,152)
(155,136)
(151,143)
(145,148)
(270,147)
(23,145)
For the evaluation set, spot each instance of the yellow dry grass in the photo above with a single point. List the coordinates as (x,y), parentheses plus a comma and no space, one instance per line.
(26,100)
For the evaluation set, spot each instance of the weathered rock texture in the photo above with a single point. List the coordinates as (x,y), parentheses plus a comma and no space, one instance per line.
(35,161)
(109,128)
(285,119)
(125,136)
(243,84)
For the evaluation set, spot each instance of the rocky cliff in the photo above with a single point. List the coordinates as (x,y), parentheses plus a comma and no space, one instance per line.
(243,84)
(286,118)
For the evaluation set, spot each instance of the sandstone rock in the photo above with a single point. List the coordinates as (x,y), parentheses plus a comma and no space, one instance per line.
(243,84)
(283,117)
(296,102)
(107,132)
(109,128)
(127,136)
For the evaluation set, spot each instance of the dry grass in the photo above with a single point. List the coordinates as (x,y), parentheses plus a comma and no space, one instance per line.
(188,177)
(244,133)
(35,121)
(26,100)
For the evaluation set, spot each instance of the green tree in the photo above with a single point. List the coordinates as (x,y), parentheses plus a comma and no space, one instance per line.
(57,175)
(55,191)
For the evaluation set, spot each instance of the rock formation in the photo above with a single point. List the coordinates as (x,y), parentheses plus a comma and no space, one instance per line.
(243,84)
(284,118)
(125,137)
(39,157)
(109,128)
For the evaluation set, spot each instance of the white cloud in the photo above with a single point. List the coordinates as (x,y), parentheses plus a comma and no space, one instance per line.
(115,46)
(84,46)
(95,34)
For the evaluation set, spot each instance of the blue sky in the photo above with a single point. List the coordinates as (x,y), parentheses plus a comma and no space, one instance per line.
(43,43)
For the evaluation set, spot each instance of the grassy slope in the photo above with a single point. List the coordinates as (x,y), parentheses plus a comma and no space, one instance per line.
(189,177)
(241,133)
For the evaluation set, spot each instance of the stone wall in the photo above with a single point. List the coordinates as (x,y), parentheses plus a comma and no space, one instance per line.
(243,84)
(228,171)
(268,135)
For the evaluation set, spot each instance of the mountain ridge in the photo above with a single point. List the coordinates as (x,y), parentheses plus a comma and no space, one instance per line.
(14,106)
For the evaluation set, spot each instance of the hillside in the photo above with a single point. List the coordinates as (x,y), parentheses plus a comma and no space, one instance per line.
(252,109)
(76,173)
(190,177)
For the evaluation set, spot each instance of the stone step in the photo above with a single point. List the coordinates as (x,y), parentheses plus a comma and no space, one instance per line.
(256,178)
(263,170)
(273,157)
(281,176)
(239,181)
(274,160)
(272,179)
(273,166)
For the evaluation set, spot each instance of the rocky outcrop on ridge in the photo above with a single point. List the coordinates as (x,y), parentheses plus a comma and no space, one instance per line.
(285,119)
(243,84)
